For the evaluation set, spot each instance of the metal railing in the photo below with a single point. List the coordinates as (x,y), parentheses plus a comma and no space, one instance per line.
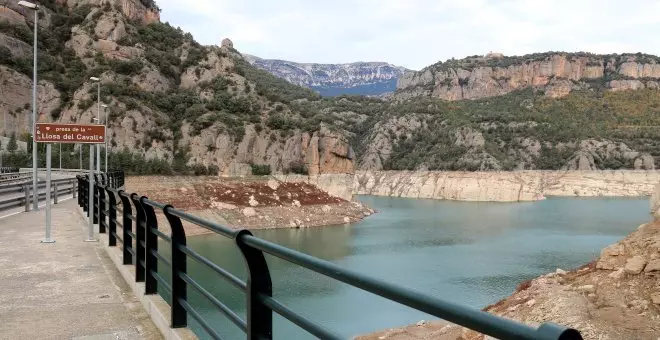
(136,216)
(20,193)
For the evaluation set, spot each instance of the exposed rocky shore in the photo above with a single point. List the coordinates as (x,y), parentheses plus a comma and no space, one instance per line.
(505,186)
(252,203)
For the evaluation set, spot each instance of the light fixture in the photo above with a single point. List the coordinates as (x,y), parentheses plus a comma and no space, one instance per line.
(94,79)
(28,5)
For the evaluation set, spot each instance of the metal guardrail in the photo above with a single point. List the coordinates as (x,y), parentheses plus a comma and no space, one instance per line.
(6,169)
(10,177)
(59,187)
(136,216)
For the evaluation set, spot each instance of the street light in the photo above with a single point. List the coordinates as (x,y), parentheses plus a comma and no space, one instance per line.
(105,138)
(98,117)
(35,200)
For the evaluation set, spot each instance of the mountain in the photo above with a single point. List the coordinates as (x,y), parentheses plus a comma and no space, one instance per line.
(360,78)
(555,73)
(176,106)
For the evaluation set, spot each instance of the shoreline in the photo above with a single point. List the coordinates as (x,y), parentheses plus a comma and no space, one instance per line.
(515,186)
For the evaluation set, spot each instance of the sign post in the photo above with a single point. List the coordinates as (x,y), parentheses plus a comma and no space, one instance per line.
(90,206)
(69,133)
(48,238)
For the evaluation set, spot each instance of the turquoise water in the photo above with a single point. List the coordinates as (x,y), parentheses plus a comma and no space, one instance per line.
(469,253)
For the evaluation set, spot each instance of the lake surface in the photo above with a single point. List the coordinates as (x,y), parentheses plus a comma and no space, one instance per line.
(469,253)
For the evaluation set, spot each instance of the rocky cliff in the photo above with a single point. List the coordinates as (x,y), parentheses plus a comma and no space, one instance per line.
(172,103)
(363,78)
(505,186)
(556,74)
(145,11)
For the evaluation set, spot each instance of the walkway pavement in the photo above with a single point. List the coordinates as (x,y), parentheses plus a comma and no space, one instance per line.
(66,290)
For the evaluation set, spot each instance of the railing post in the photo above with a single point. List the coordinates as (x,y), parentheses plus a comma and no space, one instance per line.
(85,203)
(79,193)
(73,188)
(95,201)
(151,246)
(127,222)
(259,317)
(179,317)
(139,239)
(55,193)
(26,189)
(112,217)
(102,207)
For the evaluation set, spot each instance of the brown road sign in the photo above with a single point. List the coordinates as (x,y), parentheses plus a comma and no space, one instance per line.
(70,133)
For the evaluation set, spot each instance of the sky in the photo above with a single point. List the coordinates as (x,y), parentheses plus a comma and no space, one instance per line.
(417,33)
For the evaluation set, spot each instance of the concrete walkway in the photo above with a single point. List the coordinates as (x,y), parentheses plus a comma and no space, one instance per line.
(66,290)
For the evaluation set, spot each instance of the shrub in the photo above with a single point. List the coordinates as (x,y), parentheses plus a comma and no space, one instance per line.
(260,169)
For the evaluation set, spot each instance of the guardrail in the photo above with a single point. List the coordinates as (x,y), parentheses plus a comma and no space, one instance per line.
(9,177)
(22,193)
(6,169)
(136,216)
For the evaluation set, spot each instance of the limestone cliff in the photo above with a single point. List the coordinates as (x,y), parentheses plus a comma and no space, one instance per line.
(557,74)
(141,10)
(505,186)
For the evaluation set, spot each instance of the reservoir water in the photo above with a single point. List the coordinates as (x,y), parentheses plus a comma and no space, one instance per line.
(469,253)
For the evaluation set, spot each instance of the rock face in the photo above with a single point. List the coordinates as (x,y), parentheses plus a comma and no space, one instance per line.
(366,78)
(16,101)
(655,202)
(504,186)
(555,73)
(141,10)
(321,152)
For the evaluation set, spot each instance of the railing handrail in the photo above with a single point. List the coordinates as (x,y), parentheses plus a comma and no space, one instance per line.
(139,212)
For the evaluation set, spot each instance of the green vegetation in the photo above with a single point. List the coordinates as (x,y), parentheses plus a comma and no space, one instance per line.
(261,169)
(625,116)
(12,146)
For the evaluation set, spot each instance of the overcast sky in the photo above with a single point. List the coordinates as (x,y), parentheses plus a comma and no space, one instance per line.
(417,33)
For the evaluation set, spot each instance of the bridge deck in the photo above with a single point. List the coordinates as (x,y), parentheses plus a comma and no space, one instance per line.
(66,290)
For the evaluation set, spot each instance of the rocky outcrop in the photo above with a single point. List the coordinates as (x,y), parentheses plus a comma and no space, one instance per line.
(505,186)
(136,10)
(384,136)
(368,78)
(321,152)
(592,151)
(655,202)
(555,73)
(16,101)
(145,11)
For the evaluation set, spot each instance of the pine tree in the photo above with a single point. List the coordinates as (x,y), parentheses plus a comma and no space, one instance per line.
(12,146)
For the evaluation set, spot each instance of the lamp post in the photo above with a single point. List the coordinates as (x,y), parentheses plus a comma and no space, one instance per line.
(35,200)
(98,117)
(105,138)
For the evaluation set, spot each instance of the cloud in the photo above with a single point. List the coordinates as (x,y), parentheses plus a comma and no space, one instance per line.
(417,33)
